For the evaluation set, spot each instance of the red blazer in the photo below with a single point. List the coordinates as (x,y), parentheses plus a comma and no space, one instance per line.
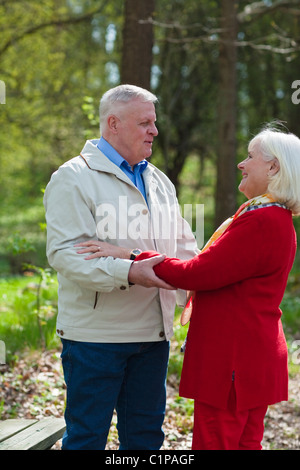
(235,331)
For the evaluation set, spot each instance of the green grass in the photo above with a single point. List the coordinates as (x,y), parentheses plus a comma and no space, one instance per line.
(291,302)
(28,312)
(176,356)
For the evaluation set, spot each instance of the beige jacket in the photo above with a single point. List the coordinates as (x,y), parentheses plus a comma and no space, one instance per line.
(89,197)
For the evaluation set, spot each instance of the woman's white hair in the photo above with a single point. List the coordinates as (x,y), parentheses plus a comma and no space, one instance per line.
(119,95)
(284,186)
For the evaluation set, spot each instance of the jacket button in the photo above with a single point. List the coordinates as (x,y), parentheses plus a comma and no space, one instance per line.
(123,287)
(161,334)
(144,211)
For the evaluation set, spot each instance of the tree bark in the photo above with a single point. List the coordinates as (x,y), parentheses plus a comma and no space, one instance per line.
(137,43)
(226,164)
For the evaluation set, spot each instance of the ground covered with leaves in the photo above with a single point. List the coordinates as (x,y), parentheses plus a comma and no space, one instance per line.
(34,388)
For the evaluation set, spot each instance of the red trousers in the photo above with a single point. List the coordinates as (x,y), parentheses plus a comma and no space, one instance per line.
(216,429)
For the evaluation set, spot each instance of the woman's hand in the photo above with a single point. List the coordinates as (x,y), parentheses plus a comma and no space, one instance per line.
(142,273)
(99,249)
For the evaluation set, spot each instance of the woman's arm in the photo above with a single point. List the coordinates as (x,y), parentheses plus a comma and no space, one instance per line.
(241,252)
(100,249)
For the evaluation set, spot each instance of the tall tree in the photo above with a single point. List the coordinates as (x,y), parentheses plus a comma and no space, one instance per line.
(185,85)
(227,97)
(137,43)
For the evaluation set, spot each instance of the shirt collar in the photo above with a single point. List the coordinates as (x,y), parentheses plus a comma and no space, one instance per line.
(116,158)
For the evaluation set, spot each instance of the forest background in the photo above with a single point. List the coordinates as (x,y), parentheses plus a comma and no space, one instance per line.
(221,70)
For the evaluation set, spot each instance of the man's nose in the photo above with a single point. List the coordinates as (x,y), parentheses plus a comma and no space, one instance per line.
(154,130)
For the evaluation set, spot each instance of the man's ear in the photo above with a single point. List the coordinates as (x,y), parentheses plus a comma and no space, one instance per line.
(112,122)
(274,167)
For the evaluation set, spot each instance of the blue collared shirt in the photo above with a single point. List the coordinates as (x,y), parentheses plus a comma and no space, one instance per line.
(135,176)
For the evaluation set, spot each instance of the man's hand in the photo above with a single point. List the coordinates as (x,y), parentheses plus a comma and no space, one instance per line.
(142,273)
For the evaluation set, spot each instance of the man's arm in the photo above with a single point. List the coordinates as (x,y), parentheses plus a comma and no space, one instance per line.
(69,221)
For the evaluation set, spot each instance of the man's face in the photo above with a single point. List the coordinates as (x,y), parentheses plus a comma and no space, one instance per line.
(135,130)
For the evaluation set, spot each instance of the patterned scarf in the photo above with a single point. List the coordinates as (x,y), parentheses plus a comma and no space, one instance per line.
(255,203)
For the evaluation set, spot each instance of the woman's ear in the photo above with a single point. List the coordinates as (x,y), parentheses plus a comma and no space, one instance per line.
(274,167)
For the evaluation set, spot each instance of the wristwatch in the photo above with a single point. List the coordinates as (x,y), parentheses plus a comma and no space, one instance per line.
(134,253)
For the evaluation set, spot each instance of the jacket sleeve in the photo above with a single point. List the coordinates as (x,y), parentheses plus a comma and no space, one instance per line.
(70,221)
(240,253)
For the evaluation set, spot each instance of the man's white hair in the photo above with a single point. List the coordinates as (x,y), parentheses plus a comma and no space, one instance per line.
(121,94)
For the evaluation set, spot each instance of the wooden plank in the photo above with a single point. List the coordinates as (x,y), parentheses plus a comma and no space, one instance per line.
(10,427)
(40,436)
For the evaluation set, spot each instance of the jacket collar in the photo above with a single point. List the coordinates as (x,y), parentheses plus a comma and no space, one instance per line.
(96,160)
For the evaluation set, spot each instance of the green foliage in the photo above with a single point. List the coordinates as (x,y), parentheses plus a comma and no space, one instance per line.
(22,236)
(53,59)
(92,114)
(176,356)
(28,306)
(291,302)
(17,244)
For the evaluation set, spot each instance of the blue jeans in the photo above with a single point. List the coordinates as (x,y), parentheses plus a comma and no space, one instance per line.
(101,377)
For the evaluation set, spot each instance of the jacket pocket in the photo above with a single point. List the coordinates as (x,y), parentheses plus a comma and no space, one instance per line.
(96,300)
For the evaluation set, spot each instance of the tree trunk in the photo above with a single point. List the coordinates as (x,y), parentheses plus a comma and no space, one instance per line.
(137,43)
(226,165)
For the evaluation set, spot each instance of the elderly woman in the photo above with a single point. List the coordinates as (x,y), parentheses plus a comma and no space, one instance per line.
(235,362)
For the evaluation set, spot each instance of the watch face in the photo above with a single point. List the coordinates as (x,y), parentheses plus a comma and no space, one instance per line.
(134,253)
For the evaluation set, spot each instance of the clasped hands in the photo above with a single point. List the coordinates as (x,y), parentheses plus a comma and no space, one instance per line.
(140,272)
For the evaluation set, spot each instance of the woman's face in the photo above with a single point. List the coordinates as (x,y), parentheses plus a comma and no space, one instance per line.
(255,173)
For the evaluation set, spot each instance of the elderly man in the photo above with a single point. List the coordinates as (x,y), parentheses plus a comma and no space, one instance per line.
(115,335)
